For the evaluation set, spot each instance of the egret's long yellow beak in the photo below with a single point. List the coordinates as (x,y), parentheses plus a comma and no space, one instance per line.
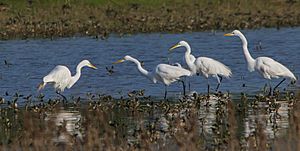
(175,46)
(92,66)
(119,61)
(229,34)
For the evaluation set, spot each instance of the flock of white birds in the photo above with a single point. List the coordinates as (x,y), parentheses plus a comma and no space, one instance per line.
(61,76)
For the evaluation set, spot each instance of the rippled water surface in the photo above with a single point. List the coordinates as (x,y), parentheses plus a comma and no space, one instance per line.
(23,63)
(27,61)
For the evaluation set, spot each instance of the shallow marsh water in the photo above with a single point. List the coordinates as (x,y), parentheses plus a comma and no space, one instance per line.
(27,61)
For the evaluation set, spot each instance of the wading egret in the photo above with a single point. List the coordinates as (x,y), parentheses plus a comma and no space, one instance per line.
(266,66)
(204,65)
(164,73)
(61,77)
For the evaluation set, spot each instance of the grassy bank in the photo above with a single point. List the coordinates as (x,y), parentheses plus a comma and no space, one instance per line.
(45,18)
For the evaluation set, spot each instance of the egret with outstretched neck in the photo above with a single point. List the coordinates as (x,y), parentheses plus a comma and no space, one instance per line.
(61,77)
(204,65)
(266,66)
(164,73)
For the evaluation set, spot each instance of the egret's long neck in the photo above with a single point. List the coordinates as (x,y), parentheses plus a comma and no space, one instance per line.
(187,57)
(141,69)
(247,54)
(76,77)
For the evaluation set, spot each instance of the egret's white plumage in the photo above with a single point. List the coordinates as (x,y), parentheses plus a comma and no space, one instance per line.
(177,64)
(164,73)
(192,58)
(61,77)
(169,74)
(203,65)
(266,66)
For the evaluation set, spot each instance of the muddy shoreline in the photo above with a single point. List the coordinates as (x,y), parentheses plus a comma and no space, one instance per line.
(67,19)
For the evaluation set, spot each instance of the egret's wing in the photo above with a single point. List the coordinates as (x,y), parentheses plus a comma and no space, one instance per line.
(171,72)
(60,75)
(209,66)
(273,68)
(59,72)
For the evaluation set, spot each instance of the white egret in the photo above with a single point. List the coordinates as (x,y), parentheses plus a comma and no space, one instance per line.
(164,73)
(61,77)
(204,65)
(266,66)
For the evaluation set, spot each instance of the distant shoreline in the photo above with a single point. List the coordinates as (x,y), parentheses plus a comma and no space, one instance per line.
(67,18)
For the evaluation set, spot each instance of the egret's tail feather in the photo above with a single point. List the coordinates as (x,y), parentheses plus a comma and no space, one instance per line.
(221,69)
(294,79)
(41,86)
(226,72)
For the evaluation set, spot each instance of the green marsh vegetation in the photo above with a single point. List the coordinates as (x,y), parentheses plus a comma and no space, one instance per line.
(99,18)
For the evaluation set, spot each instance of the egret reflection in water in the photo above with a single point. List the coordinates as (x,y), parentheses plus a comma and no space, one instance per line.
(69,120)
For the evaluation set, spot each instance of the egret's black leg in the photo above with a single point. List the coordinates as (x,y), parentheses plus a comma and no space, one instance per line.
(64,98)
(221,78)
(270,92)
(278,85)
(165,93)
(208,87)
(183,86)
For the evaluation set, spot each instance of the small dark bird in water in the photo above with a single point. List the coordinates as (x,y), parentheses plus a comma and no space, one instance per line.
(110,70)
(258,46)
(7,63)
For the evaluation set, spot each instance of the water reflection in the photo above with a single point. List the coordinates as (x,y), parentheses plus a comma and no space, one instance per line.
(70,123)
(159,124)
(272,117)
(207,115)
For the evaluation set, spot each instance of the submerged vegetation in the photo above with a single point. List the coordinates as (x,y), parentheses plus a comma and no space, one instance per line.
(99,18)
(141,123)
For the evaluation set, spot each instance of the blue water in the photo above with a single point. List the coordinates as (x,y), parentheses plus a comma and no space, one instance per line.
(30,60)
